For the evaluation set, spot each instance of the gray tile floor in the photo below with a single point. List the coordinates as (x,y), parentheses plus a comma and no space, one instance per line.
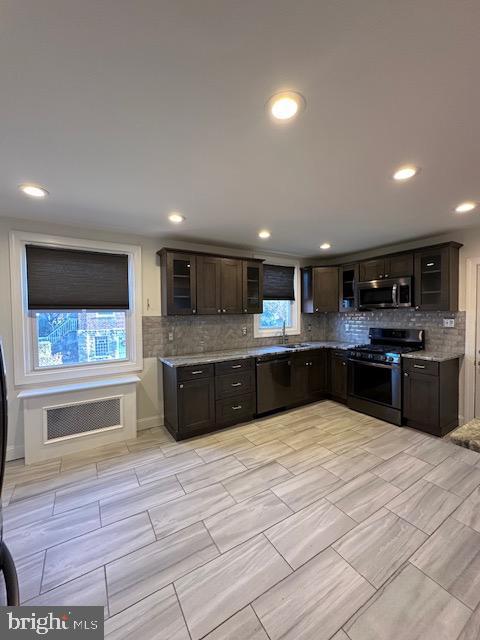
(315,524)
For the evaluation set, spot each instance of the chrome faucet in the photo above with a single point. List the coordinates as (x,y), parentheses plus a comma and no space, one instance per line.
(284,334)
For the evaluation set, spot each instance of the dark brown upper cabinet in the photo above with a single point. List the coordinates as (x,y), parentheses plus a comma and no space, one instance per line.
(319,289)
(232,285)
(204,284)
(219,285)
(436,277)
(252,287)
(347,278)
(390,266)
(372,269)
(398,265)
(209,281)
(179,280)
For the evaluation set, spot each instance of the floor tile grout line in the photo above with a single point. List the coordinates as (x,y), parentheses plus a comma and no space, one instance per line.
(106,588)
(472,609)
(181,609)
(85,534)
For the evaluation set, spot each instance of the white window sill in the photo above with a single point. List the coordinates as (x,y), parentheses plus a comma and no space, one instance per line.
(77,386)
(274,333)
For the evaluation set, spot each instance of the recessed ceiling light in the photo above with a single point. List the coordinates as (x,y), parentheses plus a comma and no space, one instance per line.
(405,173)
(264,234)
(465,207)
(33,190)
(325,245)
(176,218)
(285,105)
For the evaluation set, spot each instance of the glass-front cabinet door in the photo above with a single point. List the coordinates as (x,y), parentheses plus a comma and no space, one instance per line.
(252,287)
(181,287)
(348,277)
(432,279)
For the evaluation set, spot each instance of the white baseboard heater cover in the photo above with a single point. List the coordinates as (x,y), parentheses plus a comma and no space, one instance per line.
(66,419)
(80,418)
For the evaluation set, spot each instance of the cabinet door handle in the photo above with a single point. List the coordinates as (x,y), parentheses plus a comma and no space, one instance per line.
(419,366)
(236,384)
(405,374)
(386,275)
(196,373)
(245,311)
(180,386)
(194,311)
(316,309)
(236,366)
(239,406)
(224,310)
(344,364)
(219,311)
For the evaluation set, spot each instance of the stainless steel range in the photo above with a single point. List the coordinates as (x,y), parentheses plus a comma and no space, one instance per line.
(374,372)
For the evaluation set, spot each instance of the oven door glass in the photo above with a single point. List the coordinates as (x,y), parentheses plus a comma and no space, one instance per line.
(381,296)
(375,382)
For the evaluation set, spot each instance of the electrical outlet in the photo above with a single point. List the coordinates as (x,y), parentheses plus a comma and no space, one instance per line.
(244,331)
(170,336)
(449,322)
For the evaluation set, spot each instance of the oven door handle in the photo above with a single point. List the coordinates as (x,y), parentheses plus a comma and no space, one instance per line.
(395,295)
(378,365)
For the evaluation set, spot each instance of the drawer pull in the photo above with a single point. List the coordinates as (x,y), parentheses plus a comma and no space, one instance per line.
(419,366)
(239,406)
(196,373)
(236,384)
(236,366)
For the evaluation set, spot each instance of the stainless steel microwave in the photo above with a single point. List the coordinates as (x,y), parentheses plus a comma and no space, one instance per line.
(390,293)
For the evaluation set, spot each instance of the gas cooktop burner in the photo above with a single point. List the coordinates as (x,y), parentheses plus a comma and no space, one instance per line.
(388,345)
(385,348)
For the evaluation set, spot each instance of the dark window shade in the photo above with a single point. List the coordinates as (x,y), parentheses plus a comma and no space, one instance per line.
(74,279)
(278,282)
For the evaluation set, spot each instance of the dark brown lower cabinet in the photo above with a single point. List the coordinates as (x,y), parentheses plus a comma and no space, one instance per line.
(189,400)
(198,399)
(338,375)
(430,395)
(309,375)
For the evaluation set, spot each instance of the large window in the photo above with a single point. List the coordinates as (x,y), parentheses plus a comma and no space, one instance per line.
(72,338)
(76,308)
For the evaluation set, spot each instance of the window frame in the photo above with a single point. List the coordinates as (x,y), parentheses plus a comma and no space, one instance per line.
(295,329)
(24,323)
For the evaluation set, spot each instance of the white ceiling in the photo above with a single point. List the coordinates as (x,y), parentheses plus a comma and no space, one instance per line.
(127,109)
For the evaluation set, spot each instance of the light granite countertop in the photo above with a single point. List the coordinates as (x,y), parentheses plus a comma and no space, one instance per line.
(434,356)
(251,352)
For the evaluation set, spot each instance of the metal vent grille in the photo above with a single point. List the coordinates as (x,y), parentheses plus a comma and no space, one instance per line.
(76,419)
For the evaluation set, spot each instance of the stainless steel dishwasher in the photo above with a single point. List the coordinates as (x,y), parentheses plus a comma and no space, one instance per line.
(274,382)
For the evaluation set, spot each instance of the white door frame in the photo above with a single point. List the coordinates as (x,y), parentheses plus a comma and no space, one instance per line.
(471,320)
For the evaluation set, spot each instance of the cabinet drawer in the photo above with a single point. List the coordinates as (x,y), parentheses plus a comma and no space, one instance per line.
(234,384)
(195,372)
(233,365)
(416,365)
(235,409)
